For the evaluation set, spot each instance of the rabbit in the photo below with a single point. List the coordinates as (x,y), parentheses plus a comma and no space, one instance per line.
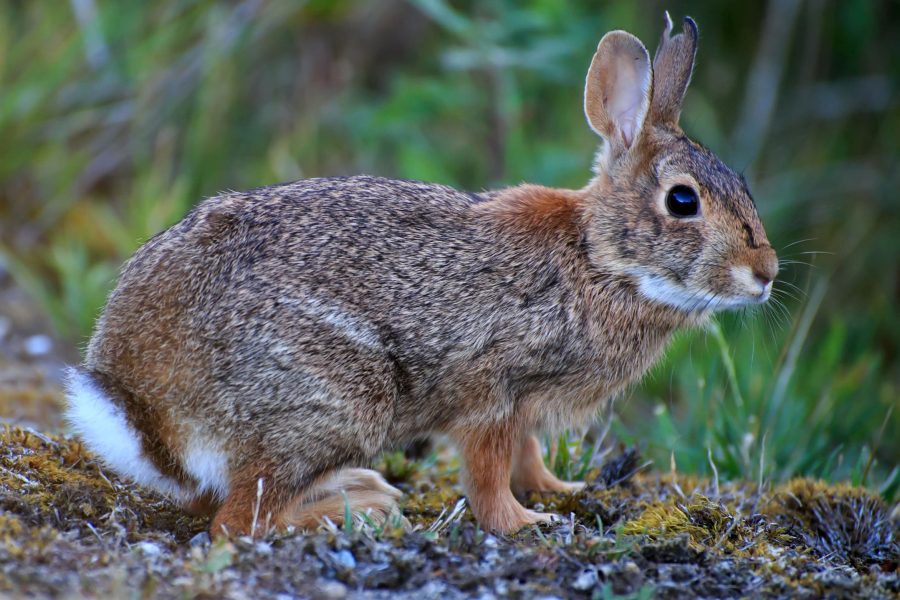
(254,357)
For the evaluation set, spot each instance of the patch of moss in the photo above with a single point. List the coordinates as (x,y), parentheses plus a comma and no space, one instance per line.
(397,467)
(708,526)
(66,524)
(49,480)
(838,522)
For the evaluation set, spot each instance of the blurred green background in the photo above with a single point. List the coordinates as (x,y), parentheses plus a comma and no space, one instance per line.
(117,116)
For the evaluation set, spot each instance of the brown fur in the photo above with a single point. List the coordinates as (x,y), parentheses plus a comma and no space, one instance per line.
(537,210)
(204,505)
(293,331)
(487,454)
(531,474)
(363,490)
(255,500)
(672,66)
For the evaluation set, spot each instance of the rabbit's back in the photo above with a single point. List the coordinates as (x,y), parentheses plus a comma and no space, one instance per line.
(362,281)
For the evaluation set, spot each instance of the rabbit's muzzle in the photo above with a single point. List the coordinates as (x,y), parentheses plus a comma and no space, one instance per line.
(754,280)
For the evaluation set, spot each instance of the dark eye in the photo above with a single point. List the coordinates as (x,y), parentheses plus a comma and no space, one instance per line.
(682,202)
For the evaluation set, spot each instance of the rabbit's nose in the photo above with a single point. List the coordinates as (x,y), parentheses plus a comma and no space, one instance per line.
(762,278)
(766,268)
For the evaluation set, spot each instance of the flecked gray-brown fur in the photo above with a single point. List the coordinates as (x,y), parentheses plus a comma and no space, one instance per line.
(310,325)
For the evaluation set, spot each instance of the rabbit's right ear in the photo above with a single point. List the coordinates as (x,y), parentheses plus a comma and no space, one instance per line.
(618,89)
(672,68)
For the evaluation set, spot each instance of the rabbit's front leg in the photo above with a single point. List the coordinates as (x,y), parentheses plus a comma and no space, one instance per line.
(488,457)
(529,473)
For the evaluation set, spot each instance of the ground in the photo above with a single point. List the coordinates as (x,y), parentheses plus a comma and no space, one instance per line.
(70,528)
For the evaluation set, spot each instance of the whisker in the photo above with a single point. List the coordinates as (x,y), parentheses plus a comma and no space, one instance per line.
(800,290)
(783,311)
(785,293)
(799,242)
(786,262)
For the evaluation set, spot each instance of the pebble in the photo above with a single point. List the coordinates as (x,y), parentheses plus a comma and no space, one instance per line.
(345,558)
(264,547)
(5,326)
(587,580)
(330,590)
(433,589)
(201,539)
(38,345)
(149,548)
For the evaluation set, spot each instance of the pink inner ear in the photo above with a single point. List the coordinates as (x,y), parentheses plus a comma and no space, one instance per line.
(628,122)
(628,102)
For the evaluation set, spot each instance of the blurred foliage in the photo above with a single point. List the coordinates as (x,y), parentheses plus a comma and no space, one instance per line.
(116,117)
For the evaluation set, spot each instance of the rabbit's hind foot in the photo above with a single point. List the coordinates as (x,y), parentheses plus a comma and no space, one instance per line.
(353,491)
(255,508)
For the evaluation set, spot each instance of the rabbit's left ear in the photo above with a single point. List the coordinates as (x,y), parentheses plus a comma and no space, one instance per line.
(617,89)
(672,69)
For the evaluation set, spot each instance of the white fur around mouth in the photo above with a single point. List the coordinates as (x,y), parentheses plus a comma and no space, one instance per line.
(757,292)
(662,290)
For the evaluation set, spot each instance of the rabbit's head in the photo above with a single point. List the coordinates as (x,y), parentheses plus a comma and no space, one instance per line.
(665,211)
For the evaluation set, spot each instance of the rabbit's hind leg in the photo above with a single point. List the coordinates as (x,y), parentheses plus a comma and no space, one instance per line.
(254,502)
(361,491)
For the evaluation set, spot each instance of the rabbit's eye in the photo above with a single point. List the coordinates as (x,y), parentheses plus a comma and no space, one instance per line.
(682,202)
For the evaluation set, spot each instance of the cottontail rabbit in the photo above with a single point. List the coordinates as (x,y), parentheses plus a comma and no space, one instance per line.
(254,352)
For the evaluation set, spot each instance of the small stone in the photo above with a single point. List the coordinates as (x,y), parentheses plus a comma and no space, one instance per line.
(264,547)
(330,590)
(587,580)
(38,345)
(201,539)
(5,326)
(345,558)
(433,589)
(149,548)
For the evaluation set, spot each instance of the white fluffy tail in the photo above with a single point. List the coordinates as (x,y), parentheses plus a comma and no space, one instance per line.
(105,430)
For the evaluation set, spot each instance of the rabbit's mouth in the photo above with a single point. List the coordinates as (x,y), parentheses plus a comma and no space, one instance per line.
(656,287)
(756,288)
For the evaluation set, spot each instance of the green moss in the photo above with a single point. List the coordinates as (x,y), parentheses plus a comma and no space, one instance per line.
(49,480)
(59,509)
(838,522)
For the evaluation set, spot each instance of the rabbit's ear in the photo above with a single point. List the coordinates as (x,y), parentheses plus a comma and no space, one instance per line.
(617,89)
(672,69)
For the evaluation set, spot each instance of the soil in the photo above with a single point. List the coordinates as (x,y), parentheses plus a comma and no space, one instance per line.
(70,528)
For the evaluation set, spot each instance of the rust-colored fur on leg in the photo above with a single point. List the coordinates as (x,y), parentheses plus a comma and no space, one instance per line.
(245,503)
(204,505)
(488,458)
(364,490)
(531,475)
